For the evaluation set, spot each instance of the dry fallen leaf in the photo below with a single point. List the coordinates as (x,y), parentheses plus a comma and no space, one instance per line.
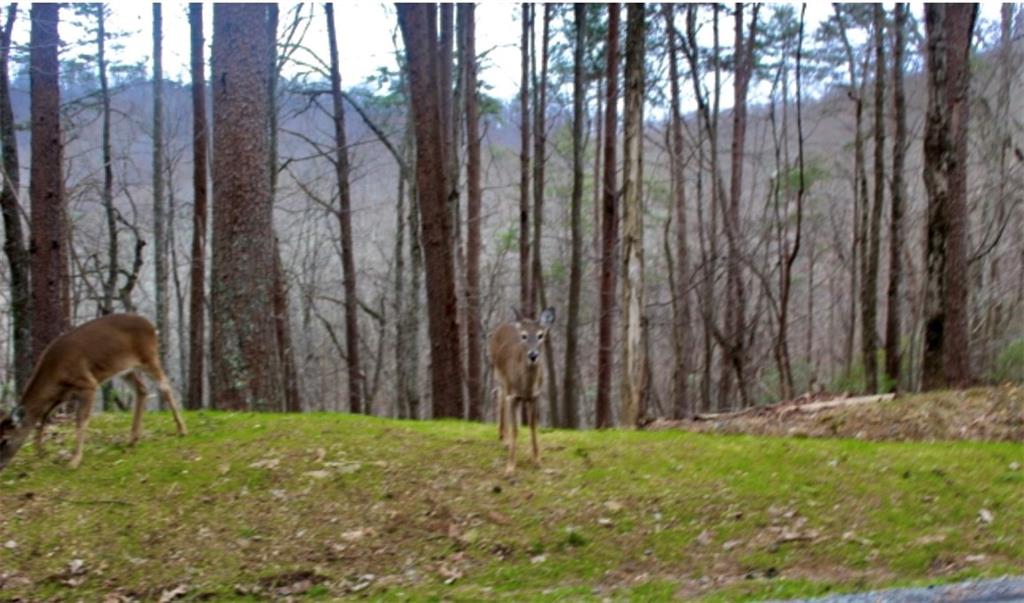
(169,595)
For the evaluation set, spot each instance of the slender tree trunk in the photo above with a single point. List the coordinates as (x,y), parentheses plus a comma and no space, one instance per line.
(897,192)
(419,32)
(682,406)
(634,386)
(609,224)
(735,340)
(869,285)
(948,43)
(474,327)
(525,296)
(50,242)
(292,400)
(159,210)
(14,236)
(539,295)
(341,164)
(197,289)
(246,370)
(570,407)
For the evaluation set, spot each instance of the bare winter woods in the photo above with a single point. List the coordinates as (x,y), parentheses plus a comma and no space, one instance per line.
(729,205)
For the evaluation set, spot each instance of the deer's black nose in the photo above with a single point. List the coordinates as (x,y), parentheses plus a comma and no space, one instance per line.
(533,355)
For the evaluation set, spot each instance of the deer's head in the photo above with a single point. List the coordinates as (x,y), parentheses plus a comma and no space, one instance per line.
(532,333)
(14,429)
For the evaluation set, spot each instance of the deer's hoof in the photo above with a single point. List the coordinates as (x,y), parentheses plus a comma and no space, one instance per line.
(75,462)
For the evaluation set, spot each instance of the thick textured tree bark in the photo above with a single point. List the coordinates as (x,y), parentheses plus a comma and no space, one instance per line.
(898,194)
(418,23)
(609,224)
(474,327)
(570,417)
(634,358)
(14,234)
(49,248)
(197,288)
(525,296)
(356,384)
(870,283)
(159,204)
(948,43)
(682,406)
(246,372)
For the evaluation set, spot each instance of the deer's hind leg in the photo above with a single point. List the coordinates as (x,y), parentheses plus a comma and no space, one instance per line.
(153,369)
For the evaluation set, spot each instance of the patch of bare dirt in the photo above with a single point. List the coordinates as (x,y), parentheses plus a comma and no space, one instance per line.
(982,414)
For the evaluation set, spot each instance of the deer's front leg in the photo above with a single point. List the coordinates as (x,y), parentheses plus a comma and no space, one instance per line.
(85,401)
(511,405)
(533,431)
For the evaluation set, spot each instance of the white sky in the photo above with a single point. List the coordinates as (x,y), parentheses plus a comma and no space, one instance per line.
(365,31)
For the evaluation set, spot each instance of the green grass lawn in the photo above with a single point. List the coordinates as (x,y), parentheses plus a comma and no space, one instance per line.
(255,506)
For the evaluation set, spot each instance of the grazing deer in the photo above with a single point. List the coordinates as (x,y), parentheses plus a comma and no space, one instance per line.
(515,351)
(75,365)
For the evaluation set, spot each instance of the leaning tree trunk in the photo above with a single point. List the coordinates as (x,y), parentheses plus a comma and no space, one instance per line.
(356,384)
(197,292)
(419,33)
(948,44)
(570,406)
(14,236)
(50,273)
(634,386)
(609,225)
(898,194)
(246,372)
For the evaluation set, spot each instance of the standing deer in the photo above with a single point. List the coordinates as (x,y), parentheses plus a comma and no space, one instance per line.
(515,351)
(75,365)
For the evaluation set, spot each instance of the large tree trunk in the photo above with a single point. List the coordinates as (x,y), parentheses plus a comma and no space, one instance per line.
(634,382)
(51,307)
(682,406)
(948,43)
(609,224)
(355,375)
(474,327)
(197,289)
(14,237)
(525,296)
(419,32)
(570,418)
(247,372)
(898,193)
(159,217)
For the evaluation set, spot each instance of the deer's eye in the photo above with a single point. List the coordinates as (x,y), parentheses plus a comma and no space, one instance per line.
(540,336)
(523,336)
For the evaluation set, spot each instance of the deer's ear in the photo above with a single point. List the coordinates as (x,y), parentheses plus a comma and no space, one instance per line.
(547,317)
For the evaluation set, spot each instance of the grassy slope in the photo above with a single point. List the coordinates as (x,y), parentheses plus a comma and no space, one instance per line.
(621,514)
